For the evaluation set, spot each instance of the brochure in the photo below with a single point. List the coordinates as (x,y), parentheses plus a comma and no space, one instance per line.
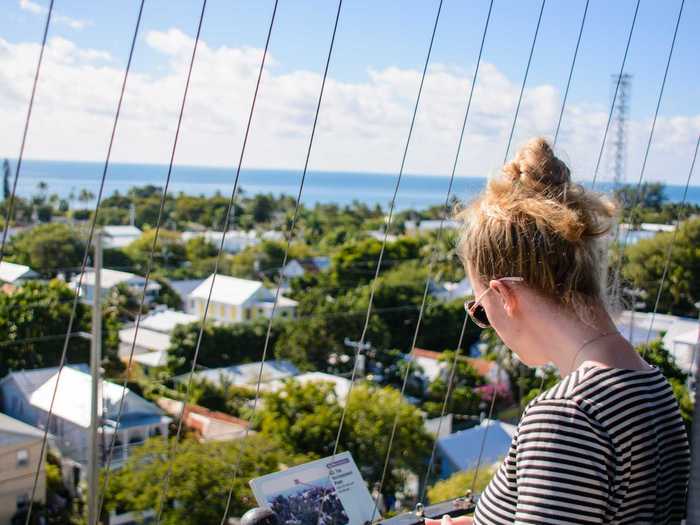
(327,491)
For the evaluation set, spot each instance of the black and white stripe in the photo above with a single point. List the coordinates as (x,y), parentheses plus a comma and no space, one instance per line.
(604,445)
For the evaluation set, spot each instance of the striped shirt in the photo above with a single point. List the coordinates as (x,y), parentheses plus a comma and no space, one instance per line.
(604,445)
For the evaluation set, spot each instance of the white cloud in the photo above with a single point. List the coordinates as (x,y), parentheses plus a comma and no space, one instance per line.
(73,23)
(30,6)
(362,126)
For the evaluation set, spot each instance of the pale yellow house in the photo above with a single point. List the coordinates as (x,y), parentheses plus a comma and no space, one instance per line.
(235,300)
(20,447)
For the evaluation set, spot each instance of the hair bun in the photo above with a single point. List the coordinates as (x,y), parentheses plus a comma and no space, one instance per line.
(535,166)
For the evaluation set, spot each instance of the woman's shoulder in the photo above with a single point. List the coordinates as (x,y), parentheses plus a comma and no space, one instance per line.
(593,390)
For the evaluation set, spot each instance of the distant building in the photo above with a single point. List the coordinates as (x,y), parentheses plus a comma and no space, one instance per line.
(118,236)
(246,374)
(433,368)
(234,242)
(27,395)
(235,300)
(109,280)
(301,267)
(379,235)
(184,287)
(448,291)
(341,385)
(208,425)
(643,231)
(680,334)
(16,274)
(428,225)
(20,457)
(152,340)
(460,451)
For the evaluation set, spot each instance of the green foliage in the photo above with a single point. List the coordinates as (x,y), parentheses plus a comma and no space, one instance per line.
(34,311)
(307,418)
(202,475)
(644,266)
(459,483)
(463,398)
(222,345)
(49,249)
(355,262)
(169,250)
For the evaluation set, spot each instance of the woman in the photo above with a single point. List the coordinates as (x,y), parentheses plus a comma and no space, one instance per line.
(607,443)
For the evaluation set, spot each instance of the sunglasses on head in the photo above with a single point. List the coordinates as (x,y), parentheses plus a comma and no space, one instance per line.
(476,310)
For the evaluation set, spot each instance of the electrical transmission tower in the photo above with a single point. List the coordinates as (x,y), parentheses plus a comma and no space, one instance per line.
(618,142)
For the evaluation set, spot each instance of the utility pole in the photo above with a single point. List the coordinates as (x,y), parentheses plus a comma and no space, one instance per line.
(96,397)
(359,347)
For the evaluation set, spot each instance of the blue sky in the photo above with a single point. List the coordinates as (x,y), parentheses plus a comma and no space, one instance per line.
(376,36)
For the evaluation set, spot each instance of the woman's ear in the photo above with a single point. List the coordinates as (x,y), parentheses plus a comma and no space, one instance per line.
(506,294)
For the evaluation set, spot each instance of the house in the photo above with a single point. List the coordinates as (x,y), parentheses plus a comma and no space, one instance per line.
(235,300)
(208,425)
(152,340)
(632,235)
(16,274)
(27,396)
(433,368)
(448,291)
(184,287)
(109,279)
(679,334)
(300,267)
(429,225)
(118,236)
(235,241)
(20,457)
(379,235)
(246,374)
(460,451)
(341,385)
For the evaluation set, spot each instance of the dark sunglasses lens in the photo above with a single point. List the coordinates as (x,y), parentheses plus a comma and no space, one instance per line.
(478,314)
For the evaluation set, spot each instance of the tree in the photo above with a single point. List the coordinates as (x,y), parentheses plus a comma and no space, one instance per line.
(201,476)
(221,345)
(6,191)
(169,250)
(307,418)
(458,483)
(49,249)
(463,398)
(33,321)
(644,263)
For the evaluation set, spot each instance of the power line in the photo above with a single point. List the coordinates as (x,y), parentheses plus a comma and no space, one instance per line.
(522,87)
(10,207)
(571,73)
(85,255)
(289,241)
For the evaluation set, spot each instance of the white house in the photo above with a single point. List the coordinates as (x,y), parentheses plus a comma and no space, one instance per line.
(341,385)
(429,225)
(300,267)
(16,273)
(246,374)
(118,236)
(645,230)
(27,395)
(110,279)
(152,340)
(235,300)
(680,334)
(234,242)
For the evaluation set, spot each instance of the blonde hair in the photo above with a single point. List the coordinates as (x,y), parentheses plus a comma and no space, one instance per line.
(533,222)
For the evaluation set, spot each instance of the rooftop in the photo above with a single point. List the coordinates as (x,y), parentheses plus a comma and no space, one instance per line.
(227,289)
(11,272)
(13,431)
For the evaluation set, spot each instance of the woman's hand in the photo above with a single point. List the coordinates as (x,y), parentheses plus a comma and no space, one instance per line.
(447,520)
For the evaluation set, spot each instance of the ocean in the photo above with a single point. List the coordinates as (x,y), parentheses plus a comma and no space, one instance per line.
(416,191)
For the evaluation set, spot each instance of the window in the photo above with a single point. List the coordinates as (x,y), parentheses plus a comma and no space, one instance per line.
(247,313)
(22,458)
